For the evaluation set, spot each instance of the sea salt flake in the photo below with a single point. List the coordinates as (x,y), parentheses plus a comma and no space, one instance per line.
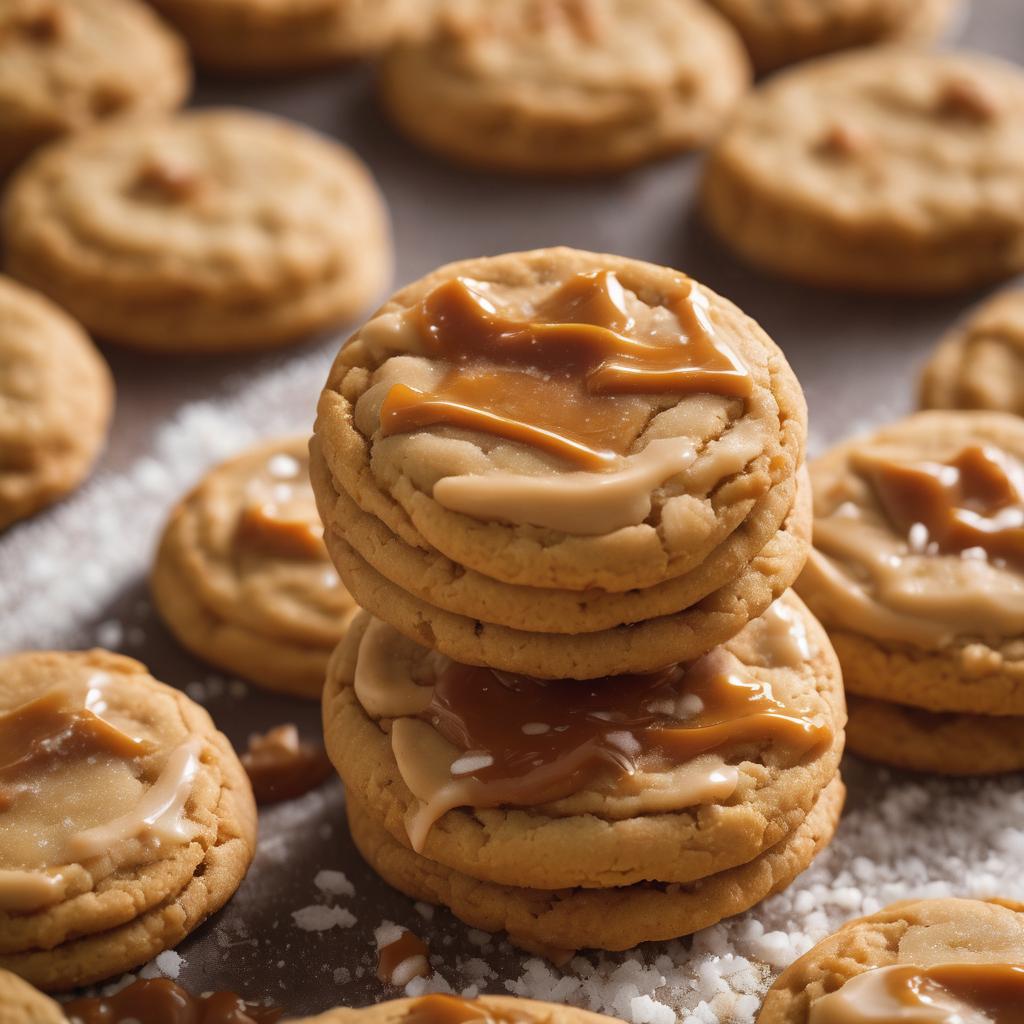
(334,883)
(317,918)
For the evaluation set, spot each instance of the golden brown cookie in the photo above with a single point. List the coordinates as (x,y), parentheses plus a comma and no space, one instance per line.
(20,1003)
(56,399)
(910,941)
(624,466)
(918,566)
(980,364)
(565,86)
(242,576)
(214,230)
(126,821)
(66,65)
(887,169)
(554,923)
(929,741)
(779,32)
(485,1009)
(257,36)
(674,818)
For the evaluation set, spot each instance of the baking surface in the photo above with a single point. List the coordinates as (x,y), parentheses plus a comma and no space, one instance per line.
(75,576)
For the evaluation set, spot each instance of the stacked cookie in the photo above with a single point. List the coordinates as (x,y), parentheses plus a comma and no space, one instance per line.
(918,575)
(565,489)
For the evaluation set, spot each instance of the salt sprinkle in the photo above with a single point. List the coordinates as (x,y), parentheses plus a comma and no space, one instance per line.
(471,763)
(334,883)
(317,918)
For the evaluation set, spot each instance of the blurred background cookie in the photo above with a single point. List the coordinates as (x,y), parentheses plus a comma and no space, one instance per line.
(214,230)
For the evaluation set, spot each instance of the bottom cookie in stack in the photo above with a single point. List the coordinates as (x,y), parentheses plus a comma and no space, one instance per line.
(125,821)
(594,814)
(918,575)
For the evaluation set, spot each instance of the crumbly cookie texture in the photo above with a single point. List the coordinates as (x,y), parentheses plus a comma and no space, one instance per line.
(56,399)
(251,36)
(555,924)
(214,230)
(935,742)
(779,33)
(935,628)
(565,87)
(980,364)
(242,576)
(522,1011)
(616,840)
(66,65)
(918,933)
(902,172)
(85,913)
(20,1003)
(742,448)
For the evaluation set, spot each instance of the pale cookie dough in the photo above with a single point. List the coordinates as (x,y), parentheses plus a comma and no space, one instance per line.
(88,889)
(779,32)
(911,933)
(565,86)
(693,466)
(936,742)
(557,923)
(56,399)
(242,576)
(214,230)
(980,364)
(943,631)
(665,823)
(66,65)
(491,1009)
(20,1003)
(255,36)
(887,169)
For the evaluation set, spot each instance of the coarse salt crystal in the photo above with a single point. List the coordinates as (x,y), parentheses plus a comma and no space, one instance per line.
(334,883)
(317,918)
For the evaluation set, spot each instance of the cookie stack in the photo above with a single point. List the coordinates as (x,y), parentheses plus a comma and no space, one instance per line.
(918,575)
(565,489)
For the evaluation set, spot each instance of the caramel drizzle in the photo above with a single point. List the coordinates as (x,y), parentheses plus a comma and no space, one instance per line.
(559,382)
(392,956)
(281,767)
(159,1001)
(533,741)
(975,500)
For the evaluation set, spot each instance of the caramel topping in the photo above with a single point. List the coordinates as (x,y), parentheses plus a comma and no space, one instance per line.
(405,958)
(975,500)
(159,1001)
(532,741)
(441,1009)
(280,519)
(560,382)
(281,767)
(958,993)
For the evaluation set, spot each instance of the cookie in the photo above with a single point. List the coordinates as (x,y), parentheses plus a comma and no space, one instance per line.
(258,36)
(431,1009)
(147,828)
(20,1003)
(565,86)
(903,172)
(214,230)
(671,821)
(779,33)
(980,364)
(242,576)
(56,399)
(952,951)
(617,468)
(936,742)
(66,65)
(918,567)
(555,923)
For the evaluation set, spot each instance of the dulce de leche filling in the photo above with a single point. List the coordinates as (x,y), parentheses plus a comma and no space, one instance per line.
(482,738)
(957,993)
(71,791)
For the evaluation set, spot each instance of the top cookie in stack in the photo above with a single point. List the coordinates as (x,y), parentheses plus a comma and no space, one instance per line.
(562,464)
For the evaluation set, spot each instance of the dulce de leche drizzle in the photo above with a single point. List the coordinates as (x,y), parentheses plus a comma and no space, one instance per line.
(975,500)
(958,993)
(532,741)
(442,1009)
(159,1001)
(561,381)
